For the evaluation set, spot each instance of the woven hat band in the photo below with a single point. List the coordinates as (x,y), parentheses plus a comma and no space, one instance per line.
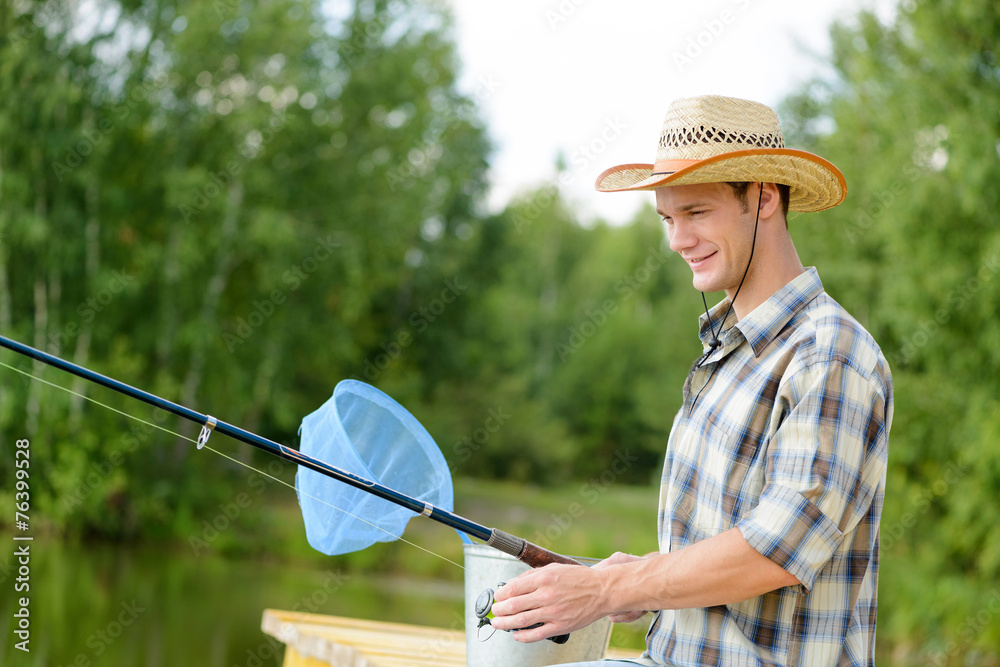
(664,167)
(700,127)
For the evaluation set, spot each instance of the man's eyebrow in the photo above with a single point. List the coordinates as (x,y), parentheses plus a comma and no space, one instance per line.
(683,208)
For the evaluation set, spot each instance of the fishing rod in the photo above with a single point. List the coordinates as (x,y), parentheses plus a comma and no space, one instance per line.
(526,552)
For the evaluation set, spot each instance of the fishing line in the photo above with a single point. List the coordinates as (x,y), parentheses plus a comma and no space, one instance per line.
(93,400)
(226,456)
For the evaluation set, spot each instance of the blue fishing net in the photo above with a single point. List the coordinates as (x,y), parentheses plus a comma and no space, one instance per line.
(365,432)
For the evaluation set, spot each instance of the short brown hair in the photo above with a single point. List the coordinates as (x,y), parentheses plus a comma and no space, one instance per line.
(740,190)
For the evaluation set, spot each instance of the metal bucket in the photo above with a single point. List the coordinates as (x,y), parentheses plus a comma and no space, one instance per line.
(485,567)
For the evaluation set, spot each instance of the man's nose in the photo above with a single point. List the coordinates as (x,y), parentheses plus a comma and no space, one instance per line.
(681,237)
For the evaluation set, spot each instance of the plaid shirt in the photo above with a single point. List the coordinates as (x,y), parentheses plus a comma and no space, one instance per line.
(783,433)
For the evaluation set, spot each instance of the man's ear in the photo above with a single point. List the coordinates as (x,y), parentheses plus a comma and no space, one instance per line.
(770,200)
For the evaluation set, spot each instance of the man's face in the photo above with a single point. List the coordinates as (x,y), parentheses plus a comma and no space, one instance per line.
(707,227)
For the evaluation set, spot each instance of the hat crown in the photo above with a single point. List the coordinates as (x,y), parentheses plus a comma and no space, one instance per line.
(696,128)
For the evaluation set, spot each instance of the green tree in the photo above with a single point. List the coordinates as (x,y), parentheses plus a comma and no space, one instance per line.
(235,205)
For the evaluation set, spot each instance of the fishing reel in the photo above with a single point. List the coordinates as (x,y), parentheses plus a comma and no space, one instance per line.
(484,607)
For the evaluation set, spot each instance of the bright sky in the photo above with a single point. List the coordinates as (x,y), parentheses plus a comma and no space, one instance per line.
(593,78)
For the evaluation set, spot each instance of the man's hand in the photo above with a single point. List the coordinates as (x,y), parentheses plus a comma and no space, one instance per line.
(563,598)
(718,570)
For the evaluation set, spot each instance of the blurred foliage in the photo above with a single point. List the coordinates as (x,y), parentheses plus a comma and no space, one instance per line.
(225,203)
(237,204)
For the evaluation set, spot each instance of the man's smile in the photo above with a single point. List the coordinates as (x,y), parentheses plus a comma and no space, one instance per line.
(695,262)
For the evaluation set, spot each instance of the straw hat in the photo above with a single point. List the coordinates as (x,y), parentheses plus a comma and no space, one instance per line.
(714,139)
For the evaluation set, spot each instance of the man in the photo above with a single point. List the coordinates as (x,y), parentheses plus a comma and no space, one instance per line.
(774,473)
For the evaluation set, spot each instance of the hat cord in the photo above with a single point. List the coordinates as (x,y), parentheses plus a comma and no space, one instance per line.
(714,342)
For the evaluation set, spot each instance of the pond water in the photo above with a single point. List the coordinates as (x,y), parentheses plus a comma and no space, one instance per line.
(100,604)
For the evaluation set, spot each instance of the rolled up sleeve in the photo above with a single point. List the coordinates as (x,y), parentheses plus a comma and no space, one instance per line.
(825,463)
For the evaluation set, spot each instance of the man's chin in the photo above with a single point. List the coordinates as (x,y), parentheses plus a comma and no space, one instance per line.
(704,284)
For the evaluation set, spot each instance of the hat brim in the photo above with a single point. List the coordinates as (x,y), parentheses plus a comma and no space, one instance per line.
(814,182)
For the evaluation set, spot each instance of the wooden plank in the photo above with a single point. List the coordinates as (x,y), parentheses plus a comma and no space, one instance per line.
(352,642)
(621,653)
(316,640)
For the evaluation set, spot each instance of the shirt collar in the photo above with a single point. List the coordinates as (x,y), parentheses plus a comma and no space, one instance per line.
(767,320)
